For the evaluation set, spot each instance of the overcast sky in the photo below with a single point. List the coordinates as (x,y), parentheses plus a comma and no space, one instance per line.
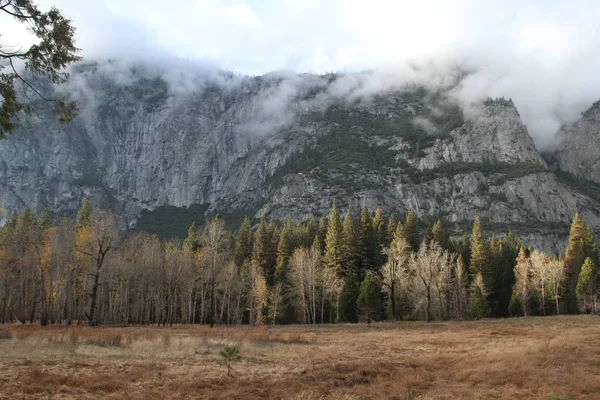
(542,53)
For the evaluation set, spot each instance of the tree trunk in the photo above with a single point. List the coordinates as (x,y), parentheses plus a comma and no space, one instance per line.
(543,300)
(428,312)
(393,300)
(92,319)
(212,302)
(94,297)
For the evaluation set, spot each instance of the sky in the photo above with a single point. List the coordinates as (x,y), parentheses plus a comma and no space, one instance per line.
(544,54)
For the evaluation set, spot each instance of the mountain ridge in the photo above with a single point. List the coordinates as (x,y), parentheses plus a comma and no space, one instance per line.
(285,144)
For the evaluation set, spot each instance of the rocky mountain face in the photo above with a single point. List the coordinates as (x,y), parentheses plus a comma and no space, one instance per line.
(578,149)
(282,144)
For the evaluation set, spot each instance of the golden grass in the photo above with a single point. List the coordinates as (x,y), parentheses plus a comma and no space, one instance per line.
(532,358)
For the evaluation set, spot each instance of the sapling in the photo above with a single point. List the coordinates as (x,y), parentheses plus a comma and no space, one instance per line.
(230,353)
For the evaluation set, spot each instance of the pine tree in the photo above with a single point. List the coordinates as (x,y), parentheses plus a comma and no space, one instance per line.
(479,308)
(494,249)
(333,257)
(581,245)
(348,298)
(369,298)
(463,248)
(589,244)
(587,286)
(243,244)
(392,225)
(366,244)
(506,254)
(263,252)
(479,251)
(381,239)
(411,231)
(310,231)
(45,220)
(348,246)
(462,286)
(274,235)
(428,239)
(84,214)
(399,233)
(441,236)
(494,277)
(192,241)
(285,247)
(322,233)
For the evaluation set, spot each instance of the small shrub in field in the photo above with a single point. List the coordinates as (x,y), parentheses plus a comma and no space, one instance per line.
(230,353)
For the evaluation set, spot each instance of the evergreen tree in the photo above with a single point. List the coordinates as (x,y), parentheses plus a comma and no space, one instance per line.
(463,248)
(479,308)
(322,233)
(274,235)
(45,220)
(479,251)
(392,225)
(44,61)
(369,298)
(589,244)
(461,279)
(587,286)
(494,249)
(348,299)
(504,260)
(285,247)
(334,257)
(192,241)
(410,231)
(380,228)
(310,232)
(581,245)
(243,244)
(84,214)
(514,306)
(441,236)
(366,244)
(381,239)
(494,278)
(428,239)
(263,252)
(348,246)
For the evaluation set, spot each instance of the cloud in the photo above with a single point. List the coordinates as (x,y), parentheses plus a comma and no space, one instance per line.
(540,53)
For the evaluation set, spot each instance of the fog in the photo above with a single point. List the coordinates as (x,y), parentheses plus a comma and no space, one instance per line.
(541,54)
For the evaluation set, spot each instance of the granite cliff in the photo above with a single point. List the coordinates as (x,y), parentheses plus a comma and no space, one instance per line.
(283,143)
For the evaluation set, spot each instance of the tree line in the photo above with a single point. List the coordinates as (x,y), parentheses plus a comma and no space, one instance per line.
(336,269)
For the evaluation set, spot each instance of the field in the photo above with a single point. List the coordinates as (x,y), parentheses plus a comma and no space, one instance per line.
(527,358)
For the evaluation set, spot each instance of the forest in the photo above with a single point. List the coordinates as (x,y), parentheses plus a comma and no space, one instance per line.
(339,268)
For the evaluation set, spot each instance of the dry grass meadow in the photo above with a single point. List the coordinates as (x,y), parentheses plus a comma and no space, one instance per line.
(532,358)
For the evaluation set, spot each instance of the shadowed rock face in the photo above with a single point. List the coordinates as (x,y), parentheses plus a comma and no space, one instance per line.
(284,145)
(578,149)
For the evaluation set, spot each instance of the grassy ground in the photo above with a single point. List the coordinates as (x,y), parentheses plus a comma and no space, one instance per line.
(532,358)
